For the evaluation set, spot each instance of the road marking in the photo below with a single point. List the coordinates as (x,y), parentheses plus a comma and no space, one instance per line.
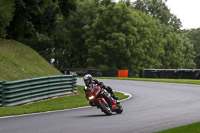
(126,94)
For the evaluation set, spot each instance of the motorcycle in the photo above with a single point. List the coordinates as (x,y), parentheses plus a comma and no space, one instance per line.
(102,99)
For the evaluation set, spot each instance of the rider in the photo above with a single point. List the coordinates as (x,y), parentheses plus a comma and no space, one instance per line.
(89,81)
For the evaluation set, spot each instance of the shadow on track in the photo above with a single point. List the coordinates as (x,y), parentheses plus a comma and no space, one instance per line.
(96,115)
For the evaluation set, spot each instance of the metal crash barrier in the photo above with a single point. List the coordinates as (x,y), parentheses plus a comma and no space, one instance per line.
(29,90)
(1,82)
(171,73)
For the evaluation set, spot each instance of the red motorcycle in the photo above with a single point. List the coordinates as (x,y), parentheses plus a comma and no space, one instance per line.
(103,100)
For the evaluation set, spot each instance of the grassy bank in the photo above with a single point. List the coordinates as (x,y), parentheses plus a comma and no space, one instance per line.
(18,61)
(65,102)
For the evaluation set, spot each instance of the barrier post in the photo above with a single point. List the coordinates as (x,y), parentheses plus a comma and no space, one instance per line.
(3,94)
(74,82)
(1,82)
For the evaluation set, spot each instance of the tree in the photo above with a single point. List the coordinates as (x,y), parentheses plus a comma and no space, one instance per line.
(67,6)
(35,23)
(151,47)
(173,57)
(105,2)
(193,36)
(188,51)
(121,38)
(101,34)
(6,15)
(73,52)
(159,10)
(104,35)
(21,26)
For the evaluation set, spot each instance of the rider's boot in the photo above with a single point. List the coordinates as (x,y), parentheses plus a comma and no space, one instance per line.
(115,97)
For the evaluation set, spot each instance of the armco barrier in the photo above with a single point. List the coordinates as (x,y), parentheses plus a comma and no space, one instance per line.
(1,82)
(29,90)
(171,73)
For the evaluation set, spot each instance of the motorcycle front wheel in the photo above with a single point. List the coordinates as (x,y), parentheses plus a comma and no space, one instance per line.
(105,108)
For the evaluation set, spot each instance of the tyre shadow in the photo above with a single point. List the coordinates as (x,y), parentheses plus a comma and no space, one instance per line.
(96,115)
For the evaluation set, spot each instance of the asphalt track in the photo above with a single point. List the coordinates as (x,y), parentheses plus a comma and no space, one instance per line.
(153,107)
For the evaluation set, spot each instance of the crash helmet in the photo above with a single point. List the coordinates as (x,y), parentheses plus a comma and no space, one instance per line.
(87,79)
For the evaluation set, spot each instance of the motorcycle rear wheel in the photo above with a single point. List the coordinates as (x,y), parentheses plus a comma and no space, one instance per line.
(104,108)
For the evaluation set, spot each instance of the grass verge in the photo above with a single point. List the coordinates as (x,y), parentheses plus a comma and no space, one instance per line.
(191,128)
(183,81)
(65,102)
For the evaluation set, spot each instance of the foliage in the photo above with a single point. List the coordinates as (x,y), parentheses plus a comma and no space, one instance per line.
(174,57)
(73,53)
(6,15)
(101,34)
(22,26)
(35,23)
(194,37)
(66,6)
(159,10)
(189,52)
(121,38)
(108,37)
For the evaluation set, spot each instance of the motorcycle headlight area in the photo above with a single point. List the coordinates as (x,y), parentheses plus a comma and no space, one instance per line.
(91,97)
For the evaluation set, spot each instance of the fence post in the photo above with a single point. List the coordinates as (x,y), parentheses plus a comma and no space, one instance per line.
(74,82)
(3,93)
(1,82)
